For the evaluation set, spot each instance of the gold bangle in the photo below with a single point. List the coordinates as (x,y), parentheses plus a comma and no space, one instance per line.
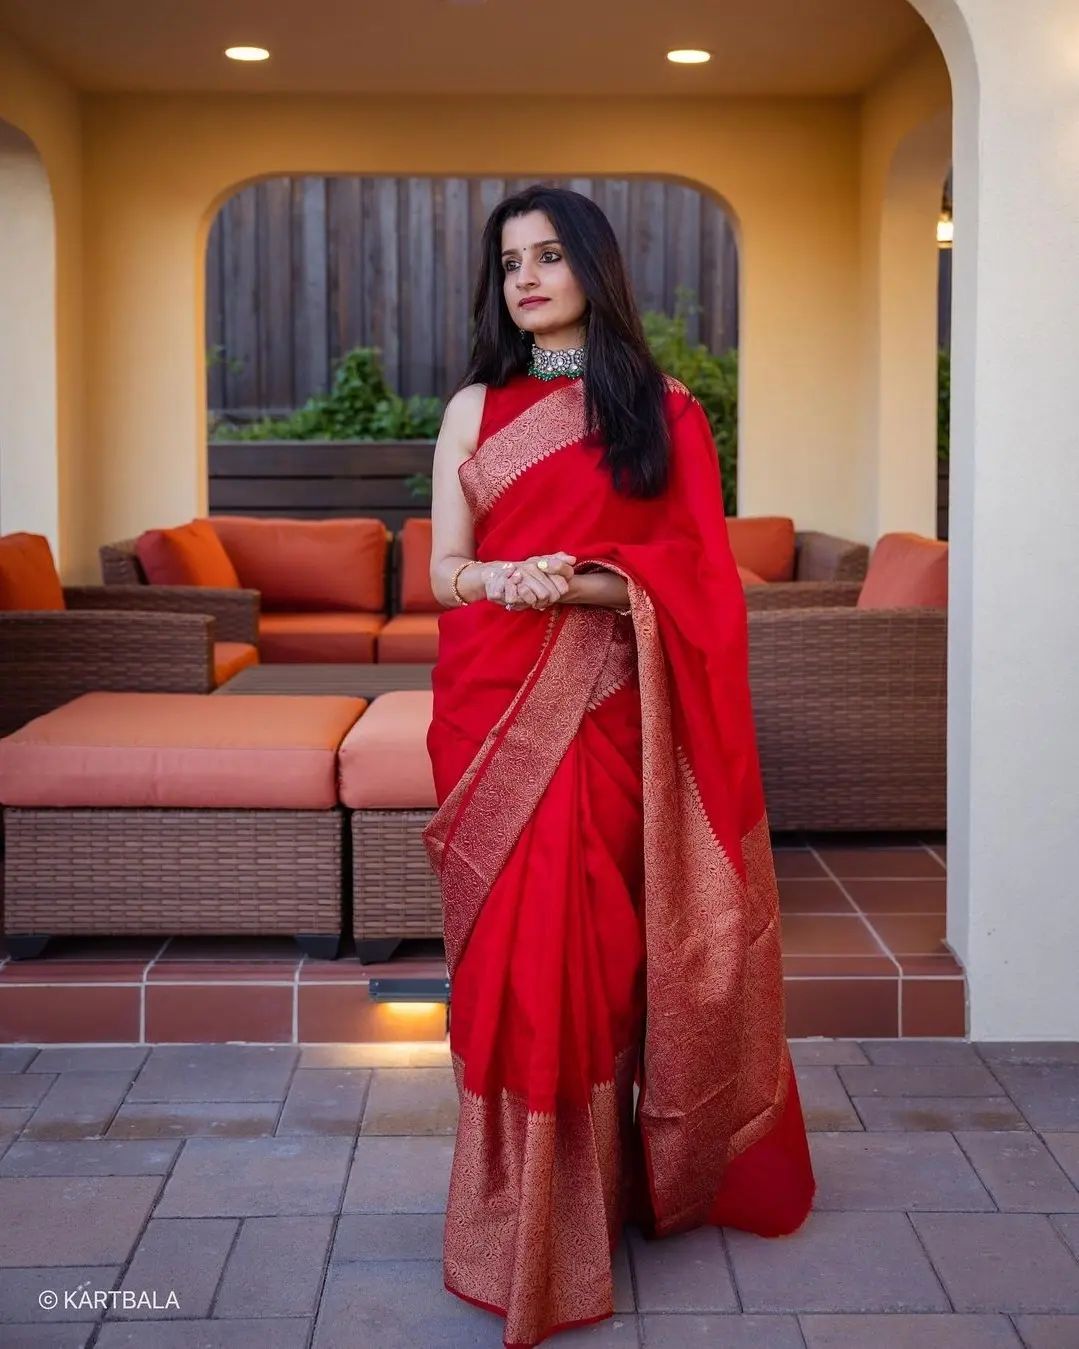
(453,584)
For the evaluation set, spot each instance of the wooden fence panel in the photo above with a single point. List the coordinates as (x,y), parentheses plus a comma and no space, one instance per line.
(240,307)
(310,300)
(301,270)
(319,481)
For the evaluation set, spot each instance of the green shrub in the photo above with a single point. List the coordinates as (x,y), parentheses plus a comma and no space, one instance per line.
(359,406)
(712,379)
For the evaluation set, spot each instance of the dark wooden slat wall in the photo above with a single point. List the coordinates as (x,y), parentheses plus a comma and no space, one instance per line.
(300,270)
(319,480)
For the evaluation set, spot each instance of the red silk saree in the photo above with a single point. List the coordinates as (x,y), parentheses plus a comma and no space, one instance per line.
(608,889)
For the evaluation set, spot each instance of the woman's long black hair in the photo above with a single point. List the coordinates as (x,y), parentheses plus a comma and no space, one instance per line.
(623,385)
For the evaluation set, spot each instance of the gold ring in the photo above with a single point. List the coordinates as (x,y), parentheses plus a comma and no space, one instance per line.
(543,564)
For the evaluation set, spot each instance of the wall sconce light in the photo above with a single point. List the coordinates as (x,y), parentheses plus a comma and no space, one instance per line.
(247,53)
(409,990)
(945,228)
(689,56)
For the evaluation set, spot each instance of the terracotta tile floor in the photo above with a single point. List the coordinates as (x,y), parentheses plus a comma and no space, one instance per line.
(863,939)
(276,1197)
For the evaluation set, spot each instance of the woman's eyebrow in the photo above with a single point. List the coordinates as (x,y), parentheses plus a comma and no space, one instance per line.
(538,244)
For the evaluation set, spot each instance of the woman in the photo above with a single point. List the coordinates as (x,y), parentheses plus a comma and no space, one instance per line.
(601,841)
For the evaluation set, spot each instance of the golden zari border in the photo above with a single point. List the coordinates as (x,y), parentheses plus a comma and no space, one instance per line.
(552,423)
(713,1079)
(537,1201)
(473,832)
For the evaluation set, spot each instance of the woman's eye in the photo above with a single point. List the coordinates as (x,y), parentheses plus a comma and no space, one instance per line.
(548,255)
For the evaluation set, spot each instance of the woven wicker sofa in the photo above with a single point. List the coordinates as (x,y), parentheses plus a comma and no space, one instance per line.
(785,568)
(850,700)
(350,591)
(59,641)
(324,585)
(164,813)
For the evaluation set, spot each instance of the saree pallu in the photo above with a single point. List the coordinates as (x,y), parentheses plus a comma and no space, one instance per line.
(610,906)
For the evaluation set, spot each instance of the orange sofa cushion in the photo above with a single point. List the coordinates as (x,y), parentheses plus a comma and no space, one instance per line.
(383,762)
(417,597)
(409,639)
(232,657)
(906,571)
(28,576)
(336,638)
(309,565)
(257,751)
(750,578)
(764,544)
(188,555)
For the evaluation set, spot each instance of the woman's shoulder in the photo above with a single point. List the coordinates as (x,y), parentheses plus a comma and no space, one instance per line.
(465,407)
(462,419)
(466,400)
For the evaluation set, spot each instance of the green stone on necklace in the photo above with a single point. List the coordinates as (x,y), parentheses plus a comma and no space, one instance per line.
(557,364)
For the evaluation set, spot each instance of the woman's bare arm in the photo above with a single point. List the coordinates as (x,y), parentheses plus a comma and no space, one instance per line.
(452,537)
(606,589)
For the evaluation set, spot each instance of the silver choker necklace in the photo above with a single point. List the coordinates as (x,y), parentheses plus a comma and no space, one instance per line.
(552,364)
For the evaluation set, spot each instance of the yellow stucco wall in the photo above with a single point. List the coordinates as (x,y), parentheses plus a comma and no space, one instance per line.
(35,101)
(905,153)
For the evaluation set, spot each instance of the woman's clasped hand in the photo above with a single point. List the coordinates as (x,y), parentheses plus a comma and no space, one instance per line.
(527,585)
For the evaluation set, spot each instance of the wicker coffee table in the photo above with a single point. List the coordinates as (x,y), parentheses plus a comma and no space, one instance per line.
(352,681)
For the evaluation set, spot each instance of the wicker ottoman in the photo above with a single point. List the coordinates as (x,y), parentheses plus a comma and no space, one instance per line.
(385,780)
(173,812)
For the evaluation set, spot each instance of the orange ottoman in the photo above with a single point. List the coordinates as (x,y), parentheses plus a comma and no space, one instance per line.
(385,780)
(160,813)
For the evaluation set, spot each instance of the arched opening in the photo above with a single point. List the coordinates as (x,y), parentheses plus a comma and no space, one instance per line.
(29,475)
(304,274)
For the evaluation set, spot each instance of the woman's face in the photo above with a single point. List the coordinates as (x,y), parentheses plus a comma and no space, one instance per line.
(534,268)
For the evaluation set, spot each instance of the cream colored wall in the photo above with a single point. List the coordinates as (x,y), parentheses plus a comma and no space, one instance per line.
(46,487)
(1013,739)
(158,168)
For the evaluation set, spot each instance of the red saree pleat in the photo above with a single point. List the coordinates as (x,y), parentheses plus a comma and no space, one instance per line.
(608,890)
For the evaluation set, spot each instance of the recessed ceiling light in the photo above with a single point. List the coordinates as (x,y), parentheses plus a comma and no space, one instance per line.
(247,53)
(689,56)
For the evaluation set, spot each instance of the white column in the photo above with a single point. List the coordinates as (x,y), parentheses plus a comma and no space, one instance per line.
(1014,639)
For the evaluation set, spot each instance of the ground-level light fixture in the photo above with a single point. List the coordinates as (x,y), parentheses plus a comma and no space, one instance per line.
(409,990)
(688,56)
(247,53)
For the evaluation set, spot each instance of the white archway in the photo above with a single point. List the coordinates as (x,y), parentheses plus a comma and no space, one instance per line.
(1013,737)
(29,467)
